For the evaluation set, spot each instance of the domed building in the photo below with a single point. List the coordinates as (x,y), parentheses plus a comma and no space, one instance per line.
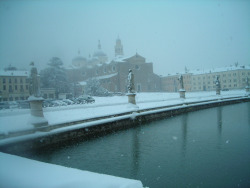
(113,75)
(79,61)
(100,55)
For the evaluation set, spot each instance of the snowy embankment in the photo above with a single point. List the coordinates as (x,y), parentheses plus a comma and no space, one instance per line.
(18,172)
(18,120)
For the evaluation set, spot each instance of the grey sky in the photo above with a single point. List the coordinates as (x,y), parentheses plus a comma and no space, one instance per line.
(172,35)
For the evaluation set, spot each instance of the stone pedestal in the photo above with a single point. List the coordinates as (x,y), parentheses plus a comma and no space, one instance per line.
(217,91)
(36,110)
(182,93)
(247,88)
(131,98)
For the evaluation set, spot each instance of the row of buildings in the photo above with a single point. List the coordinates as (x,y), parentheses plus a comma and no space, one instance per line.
(112,75)
(232,77)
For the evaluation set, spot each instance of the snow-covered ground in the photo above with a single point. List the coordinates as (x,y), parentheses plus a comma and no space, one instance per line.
(13,120)
(18,172)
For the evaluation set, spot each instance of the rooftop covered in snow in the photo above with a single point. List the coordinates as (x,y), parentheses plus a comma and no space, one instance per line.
(13,73)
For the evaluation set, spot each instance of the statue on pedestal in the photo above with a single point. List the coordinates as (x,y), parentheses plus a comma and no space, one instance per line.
(181,90)
(131,85)
(217,84)
(181,82)
(34,82)
(247,82)
(247,85)
(131,89)
(37,118)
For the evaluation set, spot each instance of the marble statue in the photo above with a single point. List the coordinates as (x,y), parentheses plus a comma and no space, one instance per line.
(131,85)
(34,82)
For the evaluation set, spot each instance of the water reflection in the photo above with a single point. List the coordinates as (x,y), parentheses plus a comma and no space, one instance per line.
(219,120)
(135,152)
(248,110)
(184,133)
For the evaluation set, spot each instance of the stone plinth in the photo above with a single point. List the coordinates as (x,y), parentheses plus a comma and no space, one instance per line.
(36,110)
(217,91)
(182,93)
(247,88)
(131,98)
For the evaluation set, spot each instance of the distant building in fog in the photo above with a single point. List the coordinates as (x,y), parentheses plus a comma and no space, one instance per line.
(113,75)
(14,85)
(233,77)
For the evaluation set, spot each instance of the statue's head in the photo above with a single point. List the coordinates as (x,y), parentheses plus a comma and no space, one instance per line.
(130,70)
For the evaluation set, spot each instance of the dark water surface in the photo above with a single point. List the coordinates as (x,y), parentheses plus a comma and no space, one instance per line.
(207,148)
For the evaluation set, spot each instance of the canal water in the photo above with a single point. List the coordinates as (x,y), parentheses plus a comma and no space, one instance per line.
(207,148)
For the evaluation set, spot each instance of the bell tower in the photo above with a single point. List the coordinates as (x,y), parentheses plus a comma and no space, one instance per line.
(118,47)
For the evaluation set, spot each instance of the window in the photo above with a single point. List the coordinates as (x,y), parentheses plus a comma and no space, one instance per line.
(15,87)
(27,87)
(4,87)
(4,81)
(10,80)
(113,68)
(15,80)
(21,80)
(10,89)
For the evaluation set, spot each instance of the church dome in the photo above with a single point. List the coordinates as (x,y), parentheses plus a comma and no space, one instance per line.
(99,53)
(79,61)
(79,58)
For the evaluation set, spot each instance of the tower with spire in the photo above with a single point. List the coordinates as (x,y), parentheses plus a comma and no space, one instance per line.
(118,47)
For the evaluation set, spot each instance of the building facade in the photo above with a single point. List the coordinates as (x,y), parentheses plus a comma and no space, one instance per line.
(14,85)
(233,77)
(112,75)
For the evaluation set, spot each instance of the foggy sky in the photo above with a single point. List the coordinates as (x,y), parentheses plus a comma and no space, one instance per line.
(172,35)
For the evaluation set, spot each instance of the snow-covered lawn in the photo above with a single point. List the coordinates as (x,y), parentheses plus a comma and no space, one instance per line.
(17,119)
(18,172)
